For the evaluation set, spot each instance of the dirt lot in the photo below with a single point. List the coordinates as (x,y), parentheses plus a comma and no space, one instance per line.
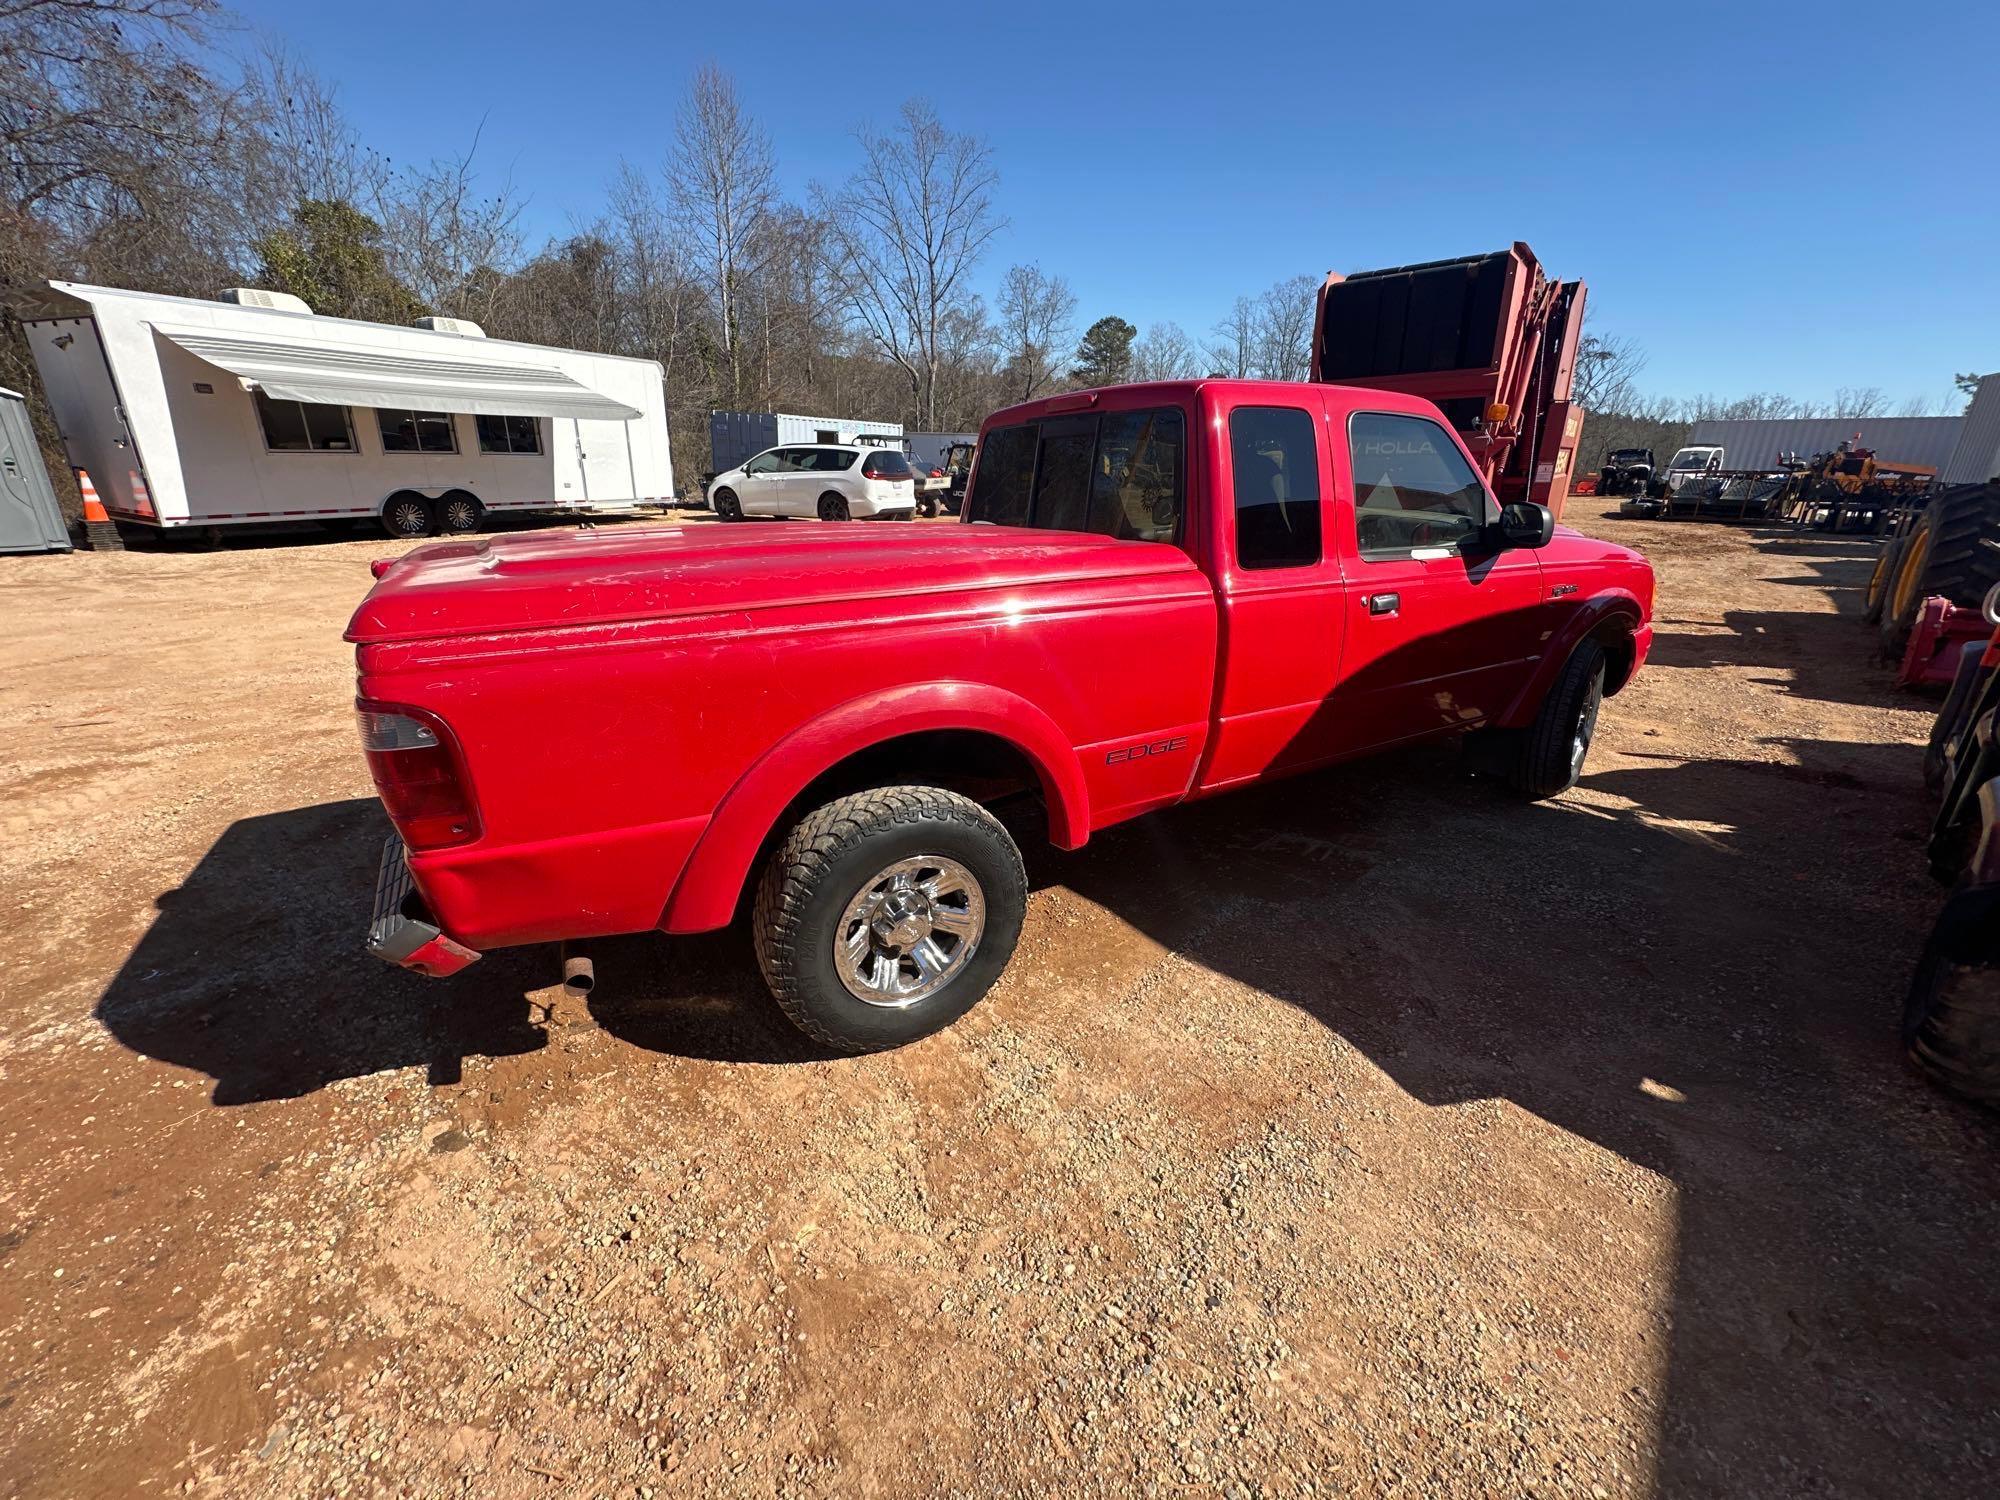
(1361,1135)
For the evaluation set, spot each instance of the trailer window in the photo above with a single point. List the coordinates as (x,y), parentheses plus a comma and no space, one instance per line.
(417,432)
(1412,487)
(509,434)
(1274,462)
(304,426)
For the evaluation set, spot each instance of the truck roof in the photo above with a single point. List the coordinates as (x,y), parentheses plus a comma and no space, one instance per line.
(1277,391)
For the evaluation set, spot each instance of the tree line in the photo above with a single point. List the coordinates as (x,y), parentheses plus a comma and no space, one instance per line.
(135,152)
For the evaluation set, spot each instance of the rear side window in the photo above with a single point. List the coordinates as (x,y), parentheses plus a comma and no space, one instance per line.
(1121,475)
(833,460)
(1412,487)
(1001,478)
(1274,460)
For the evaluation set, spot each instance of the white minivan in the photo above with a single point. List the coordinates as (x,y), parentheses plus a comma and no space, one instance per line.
(833,481)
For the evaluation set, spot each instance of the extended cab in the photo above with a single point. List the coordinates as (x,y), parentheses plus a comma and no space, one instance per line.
(1156,593)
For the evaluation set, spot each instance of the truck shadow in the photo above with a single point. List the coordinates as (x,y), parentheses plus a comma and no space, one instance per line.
(1681,965)
(254,974)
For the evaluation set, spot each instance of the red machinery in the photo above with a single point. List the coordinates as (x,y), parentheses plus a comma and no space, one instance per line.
(1489,338)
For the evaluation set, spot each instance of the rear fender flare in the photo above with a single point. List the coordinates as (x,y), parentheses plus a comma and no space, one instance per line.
(1609,614)
(706,895)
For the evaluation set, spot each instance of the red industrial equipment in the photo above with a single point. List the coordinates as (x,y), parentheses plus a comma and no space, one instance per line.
(1489,338)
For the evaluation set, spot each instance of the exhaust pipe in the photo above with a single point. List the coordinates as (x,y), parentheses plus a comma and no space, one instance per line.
(579,978)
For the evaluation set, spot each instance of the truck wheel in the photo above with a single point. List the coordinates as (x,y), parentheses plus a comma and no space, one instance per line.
(1551,752)
(832,507)
(459,512)
(408,514)
(886,915)
(727,506)
(1951,1022)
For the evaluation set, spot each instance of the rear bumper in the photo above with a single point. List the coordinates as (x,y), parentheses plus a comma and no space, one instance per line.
(401,931)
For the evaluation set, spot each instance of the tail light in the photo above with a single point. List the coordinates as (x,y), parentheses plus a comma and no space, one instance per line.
(420,775)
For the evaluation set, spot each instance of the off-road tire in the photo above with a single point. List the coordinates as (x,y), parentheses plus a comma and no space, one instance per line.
(1876,596)
(1960,566)
(833,507)
(1951,1021)
(1545,763)
(727,506)
(827,858)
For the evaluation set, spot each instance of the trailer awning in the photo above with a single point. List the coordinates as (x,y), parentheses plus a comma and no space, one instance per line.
(348,375)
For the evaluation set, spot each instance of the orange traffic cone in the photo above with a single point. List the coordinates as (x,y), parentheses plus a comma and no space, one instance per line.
(100,533)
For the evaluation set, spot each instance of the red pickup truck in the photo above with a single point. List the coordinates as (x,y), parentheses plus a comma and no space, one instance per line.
(1155,593)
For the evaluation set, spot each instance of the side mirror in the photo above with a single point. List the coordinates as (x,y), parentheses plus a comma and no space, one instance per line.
(1525,524)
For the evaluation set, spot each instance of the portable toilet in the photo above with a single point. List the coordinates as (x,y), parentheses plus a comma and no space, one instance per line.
(30,516)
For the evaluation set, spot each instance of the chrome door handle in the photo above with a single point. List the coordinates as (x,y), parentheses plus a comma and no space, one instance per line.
(1384,604)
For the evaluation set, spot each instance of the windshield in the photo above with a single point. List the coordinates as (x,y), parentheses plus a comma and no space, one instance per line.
(1692,458)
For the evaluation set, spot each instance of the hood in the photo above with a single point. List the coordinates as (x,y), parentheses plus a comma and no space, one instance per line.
(603,575)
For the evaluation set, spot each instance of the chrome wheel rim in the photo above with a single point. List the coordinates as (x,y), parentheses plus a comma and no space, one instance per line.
(1586,726)
(909,931)
(410,519)
(461,515)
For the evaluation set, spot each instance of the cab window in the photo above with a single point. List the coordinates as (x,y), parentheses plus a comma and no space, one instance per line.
(1413,489)
(1274,461)
(1119,474)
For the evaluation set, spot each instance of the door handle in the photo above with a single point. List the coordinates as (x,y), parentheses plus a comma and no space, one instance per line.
(1384,604)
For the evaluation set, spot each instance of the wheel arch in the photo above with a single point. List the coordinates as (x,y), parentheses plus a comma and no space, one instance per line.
(937,733)
(1611,619)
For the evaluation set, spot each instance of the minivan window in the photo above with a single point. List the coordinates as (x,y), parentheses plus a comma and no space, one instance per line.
(887,463)
(1274,460)
(1119,475)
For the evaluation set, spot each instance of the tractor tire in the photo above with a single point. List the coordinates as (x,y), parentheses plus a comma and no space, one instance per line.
(1905,594)
(1877,594)
(1951,1021)
(1961,566)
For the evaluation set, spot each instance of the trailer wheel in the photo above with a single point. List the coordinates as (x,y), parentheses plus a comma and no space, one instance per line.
(888,914)
(459,512)
(833,507)
(407,514)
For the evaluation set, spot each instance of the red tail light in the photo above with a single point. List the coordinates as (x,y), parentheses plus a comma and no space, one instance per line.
(420,775)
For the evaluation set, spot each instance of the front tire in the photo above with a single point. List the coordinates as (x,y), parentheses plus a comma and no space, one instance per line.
(1951,1021)
(727,506)
(1549,757)
(886,915)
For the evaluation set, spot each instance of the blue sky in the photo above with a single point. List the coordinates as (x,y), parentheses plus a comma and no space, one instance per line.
(1765,196)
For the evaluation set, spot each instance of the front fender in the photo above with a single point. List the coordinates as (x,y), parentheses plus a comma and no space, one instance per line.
(712,881)
(1613,610)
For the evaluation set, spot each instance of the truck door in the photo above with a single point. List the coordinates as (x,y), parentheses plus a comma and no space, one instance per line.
(1278,581)
(1440,634)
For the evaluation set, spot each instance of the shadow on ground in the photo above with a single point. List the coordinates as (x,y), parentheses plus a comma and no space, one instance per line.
(1728,929)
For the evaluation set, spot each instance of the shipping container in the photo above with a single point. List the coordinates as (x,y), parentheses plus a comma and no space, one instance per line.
(735,436)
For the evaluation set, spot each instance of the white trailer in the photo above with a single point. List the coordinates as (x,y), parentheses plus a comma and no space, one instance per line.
(252,410)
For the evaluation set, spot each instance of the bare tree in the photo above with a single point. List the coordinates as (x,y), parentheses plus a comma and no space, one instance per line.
(1037,319)
(1607,369)
(1859,401)
(1165,353)
(1284,326)
(909,228)
(313,152)
(445,237)
(1233,351)
(720,174)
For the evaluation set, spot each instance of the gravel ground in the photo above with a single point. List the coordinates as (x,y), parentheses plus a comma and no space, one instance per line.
(1360,1135)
